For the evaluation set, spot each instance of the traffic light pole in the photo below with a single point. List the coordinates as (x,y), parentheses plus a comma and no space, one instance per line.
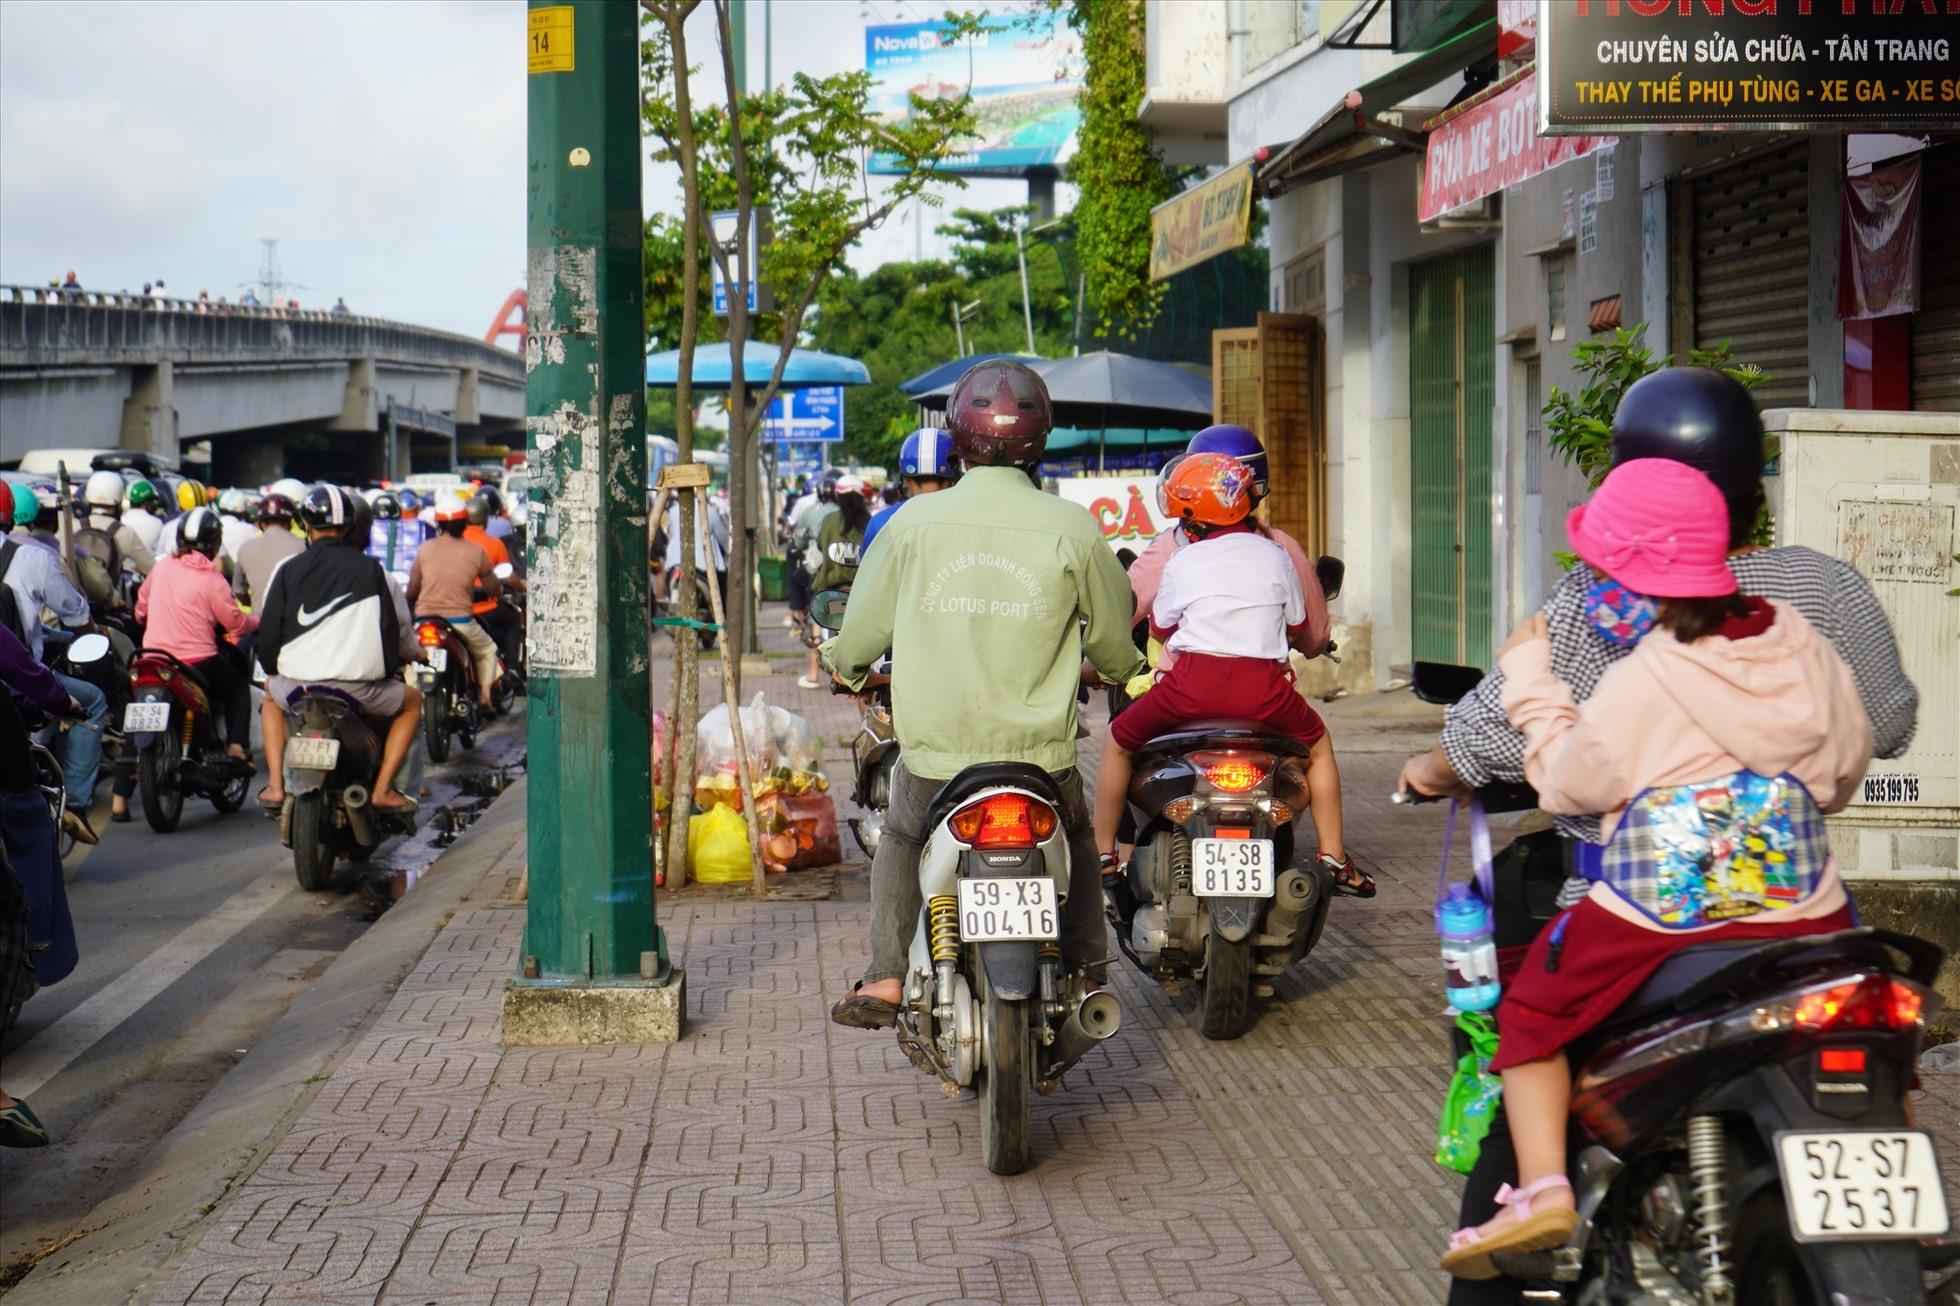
(594,967)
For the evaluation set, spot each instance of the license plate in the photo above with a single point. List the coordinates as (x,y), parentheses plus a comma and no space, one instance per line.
(438,659)
(1862,1183)
(1008,909)
(1232,868)
(146,716)
(312,754)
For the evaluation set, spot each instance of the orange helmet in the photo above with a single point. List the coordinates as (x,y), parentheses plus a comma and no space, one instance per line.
(1209,489)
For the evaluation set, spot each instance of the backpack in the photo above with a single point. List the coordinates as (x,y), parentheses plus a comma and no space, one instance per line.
(98,566)
(9,601)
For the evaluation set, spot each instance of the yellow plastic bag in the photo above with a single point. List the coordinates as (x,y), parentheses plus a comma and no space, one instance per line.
(718,846)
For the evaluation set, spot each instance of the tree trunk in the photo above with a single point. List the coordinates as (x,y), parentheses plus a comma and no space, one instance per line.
(740,566)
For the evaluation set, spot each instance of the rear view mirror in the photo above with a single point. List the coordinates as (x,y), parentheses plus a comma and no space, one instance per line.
(504,571)
(1331,571)
(88,648)
(827,609)
(1439,682)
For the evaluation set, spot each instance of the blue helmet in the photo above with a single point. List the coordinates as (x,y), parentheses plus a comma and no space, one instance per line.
(410,501)
(1239,443)
(928,452)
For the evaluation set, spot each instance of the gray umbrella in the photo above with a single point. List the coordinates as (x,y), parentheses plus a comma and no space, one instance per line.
(1101,390)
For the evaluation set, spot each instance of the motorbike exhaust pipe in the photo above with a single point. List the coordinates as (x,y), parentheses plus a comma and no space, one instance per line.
(1097,1017)
(360,817)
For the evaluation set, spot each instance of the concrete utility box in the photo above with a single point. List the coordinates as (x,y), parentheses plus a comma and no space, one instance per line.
(1881,490)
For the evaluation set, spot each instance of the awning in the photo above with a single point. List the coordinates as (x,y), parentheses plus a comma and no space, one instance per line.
(1366,127)
(714,365)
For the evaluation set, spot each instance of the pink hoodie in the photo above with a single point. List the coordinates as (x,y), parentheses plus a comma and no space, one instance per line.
(181,600)
(1671,713)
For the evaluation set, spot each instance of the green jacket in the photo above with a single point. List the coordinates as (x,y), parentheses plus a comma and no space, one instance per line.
(837,545)
(981,595)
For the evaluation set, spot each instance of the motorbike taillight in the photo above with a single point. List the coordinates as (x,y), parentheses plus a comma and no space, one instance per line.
(1233,772)
(429,634)
(1869,1002)
(1004,821)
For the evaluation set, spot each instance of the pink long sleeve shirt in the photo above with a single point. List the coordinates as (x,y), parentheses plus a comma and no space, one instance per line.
(182,599)
(1670,713)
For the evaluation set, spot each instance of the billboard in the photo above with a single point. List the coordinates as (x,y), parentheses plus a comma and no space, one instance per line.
(1024,71)
(1125,507)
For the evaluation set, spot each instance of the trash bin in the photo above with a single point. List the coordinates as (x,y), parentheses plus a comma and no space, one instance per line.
(771,572)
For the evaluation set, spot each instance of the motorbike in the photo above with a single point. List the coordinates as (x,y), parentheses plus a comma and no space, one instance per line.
(91,657)
(1211,891)
(178,733)
(986,1003)
(874,753)
(334,756)
(1740,1131)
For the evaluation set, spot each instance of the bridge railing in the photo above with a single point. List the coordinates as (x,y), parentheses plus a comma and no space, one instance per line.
(50,326)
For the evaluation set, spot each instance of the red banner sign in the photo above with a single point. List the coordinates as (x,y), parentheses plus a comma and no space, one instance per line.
(1517,26)
(1491,144)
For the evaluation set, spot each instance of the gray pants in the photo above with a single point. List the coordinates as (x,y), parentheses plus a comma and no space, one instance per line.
(895,901)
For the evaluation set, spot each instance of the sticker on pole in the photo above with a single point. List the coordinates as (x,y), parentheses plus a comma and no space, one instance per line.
(551,40)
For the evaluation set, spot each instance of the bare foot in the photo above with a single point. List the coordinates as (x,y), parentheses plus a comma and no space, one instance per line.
(886,990)
(387,800)
(272,795)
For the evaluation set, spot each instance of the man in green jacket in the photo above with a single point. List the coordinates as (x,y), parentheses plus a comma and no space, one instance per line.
(988,596)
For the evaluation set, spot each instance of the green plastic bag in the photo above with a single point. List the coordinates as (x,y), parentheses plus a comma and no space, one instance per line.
(1473,1097)
(718,846)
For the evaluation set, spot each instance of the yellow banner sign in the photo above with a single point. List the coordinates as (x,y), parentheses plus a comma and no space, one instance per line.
(550,48)
(1202,222)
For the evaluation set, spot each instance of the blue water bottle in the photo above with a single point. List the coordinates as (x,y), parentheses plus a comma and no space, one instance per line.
(1469,949)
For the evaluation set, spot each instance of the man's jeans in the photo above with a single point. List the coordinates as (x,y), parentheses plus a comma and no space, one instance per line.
(895,901)
(80,746)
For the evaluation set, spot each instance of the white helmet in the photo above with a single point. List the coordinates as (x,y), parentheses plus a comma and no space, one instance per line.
(104,491)
(292,487)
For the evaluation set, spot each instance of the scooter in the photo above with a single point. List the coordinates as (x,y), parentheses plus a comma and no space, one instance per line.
(874,755)
(179,737)
(334,756)
(987,1004)
(1740,1125)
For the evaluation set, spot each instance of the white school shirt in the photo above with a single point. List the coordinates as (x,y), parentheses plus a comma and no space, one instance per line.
(1232,596)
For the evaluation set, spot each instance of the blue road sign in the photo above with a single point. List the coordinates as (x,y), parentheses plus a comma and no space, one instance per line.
(793,460)
(800,416)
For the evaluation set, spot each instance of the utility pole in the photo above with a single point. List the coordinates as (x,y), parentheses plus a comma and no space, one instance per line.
(594,967)
(1021,254)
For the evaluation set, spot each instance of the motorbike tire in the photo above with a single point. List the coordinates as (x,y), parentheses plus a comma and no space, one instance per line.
(232,797)
(471,724)
(1767,1267)
(156,776)
(312,851)
(1004,1080)
(435,725)
(504,696)
(1225,1006)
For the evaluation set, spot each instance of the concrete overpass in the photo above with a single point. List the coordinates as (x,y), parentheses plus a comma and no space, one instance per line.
(274,391)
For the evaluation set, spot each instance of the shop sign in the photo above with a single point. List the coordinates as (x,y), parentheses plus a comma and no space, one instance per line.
(1125,507)
(1702,65)
(1490,144)
(1517,26)
(1187,229)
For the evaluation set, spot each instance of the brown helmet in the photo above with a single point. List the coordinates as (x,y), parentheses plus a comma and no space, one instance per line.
(999,415)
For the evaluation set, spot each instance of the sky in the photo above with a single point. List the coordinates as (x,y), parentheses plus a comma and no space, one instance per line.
(381,142)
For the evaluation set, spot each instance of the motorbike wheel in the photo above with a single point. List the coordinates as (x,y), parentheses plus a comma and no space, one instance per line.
(232,796)
(156,775)
(1003,1081)
(1767,1268)
(435,724)
(1224,1010)
(312,851)
(504,696)
(471,723)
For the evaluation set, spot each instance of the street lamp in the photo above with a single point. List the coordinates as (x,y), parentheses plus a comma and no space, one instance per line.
(961,315)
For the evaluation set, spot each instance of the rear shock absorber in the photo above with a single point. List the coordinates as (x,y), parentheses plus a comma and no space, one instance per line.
(943,939)
(1707,1160)
(190,720)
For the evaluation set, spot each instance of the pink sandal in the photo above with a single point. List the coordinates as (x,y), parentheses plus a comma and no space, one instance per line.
(1527,1231)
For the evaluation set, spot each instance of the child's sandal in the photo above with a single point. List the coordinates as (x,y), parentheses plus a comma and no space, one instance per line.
(1350,881)
(1469,1256)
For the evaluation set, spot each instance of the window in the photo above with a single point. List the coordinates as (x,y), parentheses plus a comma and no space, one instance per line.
(1555,298)
(1303,284)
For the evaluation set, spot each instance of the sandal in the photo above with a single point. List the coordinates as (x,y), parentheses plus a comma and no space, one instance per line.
(1350,881)
(1469,1256)
(269,806)
(20,1128)
(862,1011)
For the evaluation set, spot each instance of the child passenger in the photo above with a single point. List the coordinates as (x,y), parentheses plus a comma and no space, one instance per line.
(1225,608)
(1711,753)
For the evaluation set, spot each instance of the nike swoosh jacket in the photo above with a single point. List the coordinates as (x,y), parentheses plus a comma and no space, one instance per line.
(328,615)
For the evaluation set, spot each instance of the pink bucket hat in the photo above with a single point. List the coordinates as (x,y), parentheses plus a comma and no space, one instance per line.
(1658,527)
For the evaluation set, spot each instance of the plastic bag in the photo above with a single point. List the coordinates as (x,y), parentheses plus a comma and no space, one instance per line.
(659,749)
(802,830)
(718,847)
(715,741)
(1473,1097)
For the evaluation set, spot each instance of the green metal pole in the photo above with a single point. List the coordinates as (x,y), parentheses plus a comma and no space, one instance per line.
(591,913)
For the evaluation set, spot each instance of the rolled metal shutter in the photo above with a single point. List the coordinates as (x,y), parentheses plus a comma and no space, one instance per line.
(1752,268)
(1936,326)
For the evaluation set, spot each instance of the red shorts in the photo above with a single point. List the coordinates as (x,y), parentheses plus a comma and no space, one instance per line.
(1203,687)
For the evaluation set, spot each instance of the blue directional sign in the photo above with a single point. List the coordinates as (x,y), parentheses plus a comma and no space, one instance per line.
(800,416)
(794,460)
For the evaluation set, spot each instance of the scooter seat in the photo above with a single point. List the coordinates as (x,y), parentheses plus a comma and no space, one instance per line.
(1226,732)
(990,775)
(1695,973)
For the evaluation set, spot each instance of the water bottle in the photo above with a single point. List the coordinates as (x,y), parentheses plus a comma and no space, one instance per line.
(1469,949)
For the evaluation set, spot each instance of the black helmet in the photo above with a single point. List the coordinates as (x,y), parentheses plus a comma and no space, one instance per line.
(276,509)
(325,507)
(492,497)
(360,518)
(477,509)
(1701,417)
(386,506)
(199,530)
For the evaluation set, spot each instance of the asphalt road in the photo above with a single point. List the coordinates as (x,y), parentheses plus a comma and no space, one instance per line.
(192,943)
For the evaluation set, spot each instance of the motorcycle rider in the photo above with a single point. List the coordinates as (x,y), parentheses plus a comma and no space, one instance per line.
(235,516)
(104,496)
(328,617)
(181,602)
(839,544)
(442,584)
(980,593)
(139,515)
(261,555)
(498,618)
(1712,751)
(805,517)
(925,466)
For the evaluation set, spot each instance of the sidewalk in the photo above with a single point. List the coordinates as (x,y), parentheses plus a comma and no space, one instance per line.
(771,1156)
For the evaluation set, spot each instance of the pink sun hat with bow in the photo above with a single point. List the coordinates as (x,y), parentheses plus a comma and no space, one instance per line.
(1658,527)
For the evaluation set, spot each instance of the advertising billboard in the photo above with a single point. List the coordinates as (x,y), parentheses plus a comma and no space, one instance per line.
(1125,507)
(1024,71)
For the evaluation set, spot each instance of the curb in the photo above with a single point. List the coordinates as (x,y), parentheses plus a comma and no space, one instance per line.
(131,1243)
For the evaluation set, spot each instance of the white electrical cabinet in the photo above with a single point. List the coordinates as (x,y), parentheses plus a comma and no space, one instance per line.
(1881,490)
